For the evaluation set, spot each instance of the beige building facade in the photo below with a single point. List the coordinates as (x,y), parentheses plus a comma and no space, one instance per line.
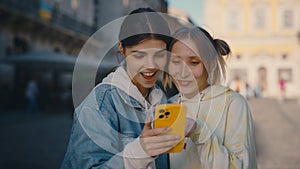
(265,39)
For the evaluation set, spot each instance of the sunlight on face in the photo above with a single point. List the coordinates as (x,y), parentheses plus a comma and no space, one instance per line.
(145,62)
(187,69)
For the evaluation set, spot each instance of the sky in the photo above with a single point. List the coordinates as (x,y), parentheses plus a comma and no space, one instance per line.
(192,7)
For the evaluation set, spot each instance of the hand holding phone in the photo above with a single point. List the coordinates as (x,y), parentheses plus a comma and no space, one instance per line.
(174,116)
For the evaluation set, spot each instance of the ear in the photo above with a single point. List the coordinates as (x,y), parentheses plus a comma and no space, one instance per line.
(121,49)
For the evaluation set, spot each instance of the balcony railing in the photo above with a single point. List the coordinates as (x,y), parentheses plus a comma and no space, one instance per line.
(68,22)
(32,8)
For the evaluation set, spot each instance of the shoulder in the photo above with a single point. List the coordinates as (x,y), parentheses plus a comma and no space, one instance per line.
(235,97)
(174,99)
(234,101)
(237,106)
(98,95)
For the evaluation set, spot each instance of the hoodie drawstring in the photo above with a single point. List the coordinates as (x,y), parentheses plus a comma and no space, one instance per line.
(146,104)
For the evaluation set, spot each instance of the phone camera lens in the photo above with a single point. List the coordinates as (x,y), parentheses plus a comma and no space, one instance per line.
(161,116)
(167,113)
(161,110)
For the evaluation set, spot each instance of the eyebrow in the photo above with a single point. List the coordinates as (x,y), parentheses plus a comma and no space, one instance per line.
(194,57)
(162,50)
(189,57)
(142,52)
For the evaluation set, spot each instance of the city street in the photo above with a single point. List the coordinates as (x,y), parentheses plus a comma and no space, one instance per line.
(277,133)
(38,141)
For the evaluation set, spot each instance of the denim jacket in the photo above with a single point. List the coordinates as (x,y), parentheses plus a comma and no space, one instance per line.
(110,119)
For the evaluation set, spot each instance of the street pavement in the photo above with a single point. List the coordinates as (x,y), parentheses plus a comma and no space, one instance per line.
(277,133)
(33,141)
(39,141)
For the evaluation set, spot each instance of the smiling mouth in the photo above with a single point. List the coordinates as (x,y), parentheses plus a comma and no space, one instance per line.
(148,75)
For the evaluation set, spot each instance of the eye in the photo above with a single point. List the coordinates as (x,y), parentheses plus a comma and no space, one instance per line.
(175,61)
(195,63)
(138,56)
(160,55)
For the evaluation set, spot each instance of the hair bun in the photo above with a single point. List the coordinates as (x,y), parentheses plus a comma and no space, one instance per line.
(222,47)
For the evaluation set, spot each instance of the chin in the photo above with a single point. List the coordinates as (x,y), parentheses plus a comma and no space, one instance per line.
(185,92)
(188,92)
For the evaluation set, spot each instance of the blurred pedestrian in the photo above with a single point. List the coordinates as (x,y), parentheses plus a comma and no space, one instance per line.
(258,93)
(249,91)
(31,94)
(282,88)
(239,86)
(66,98)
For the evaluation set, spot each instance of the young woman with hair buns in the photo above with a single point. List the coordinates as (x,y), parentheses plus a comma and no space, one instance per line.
(221,134)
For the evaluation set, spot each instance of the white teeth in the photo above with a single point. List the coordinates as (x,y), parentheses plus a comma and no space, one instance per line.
(148,74)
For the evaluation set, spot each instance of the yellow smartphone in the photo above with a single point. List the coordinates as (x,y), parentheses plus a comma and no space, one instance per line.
(174,116)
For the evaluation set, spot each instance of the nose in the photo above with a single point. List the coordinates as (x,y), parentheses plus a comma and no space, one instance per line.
(184,71)
(151,63)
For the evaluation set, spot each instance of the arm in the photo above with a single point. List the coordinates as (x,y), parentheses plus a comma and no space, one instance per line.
(237,150)
(94,141)
(150,145)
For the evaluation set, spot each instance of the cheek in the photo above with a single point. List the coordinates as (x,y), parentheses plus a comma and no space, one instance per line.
(133,63)
(131,68)
(161,62)
(172,69)
(198,72)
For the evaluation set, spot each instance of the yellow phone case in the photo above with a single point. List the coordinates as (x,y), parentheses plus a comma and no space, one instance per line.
(173,115)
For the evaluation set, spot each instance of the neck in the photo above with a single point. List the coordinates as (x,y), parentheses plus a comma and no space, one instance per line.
(144,91)
(200,89)
(146,94)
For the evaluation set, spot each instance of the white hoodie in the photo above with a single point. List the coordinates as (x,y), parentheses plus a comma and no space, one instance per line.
(224,136)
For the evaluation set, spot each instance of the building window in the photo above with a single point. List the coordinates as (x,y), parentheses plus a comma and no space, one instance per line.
(232,20)
(259,19)
(126,3)
(285,74)
(284,56)
(262,79)
(260,16)
(241,73)
(74,4)
(288,18)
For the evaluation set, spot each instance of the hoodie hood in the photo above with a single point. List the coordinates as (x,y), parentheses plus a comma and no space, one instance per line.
(127,89)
